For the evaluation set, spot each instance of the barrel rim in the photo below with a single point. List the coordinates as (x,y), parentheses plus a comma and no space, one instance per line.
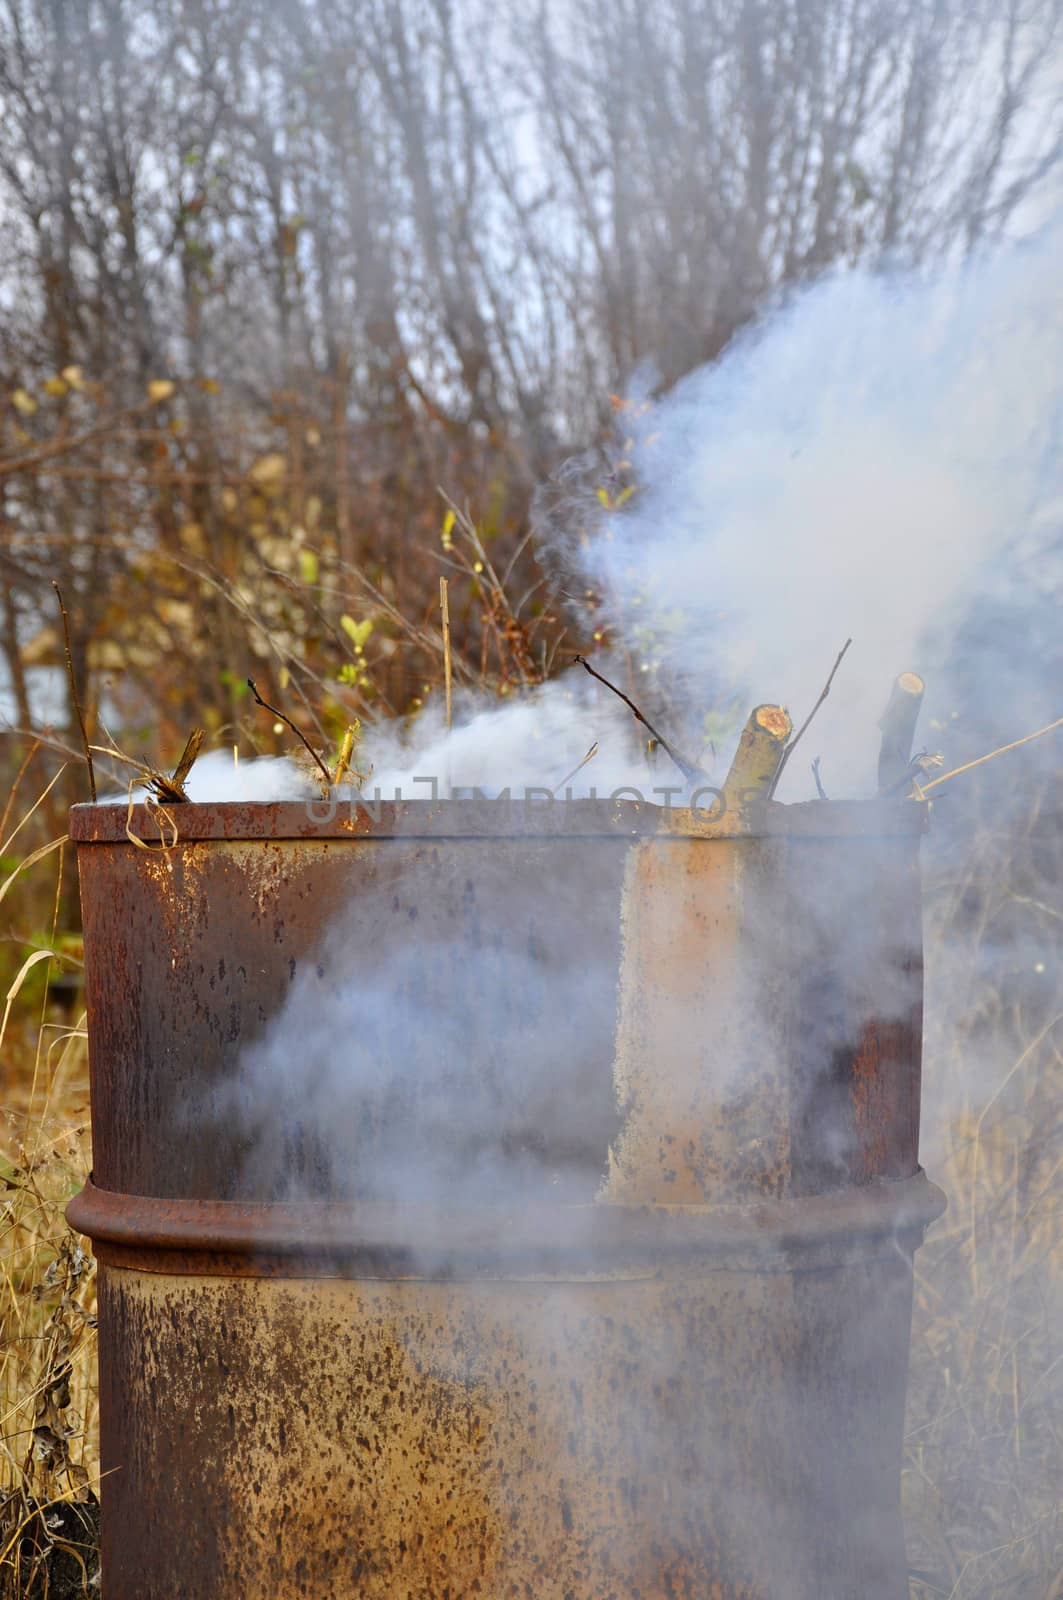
(229,1237)
(117,823)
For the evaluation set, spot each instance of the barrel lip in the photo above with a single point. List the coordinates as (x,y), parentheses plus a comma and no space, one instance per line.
(489,818)
(393,1238)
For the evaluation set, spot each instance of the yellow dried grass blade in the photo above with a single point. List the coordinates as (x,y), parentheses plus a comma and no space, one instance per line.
(20,978)
(31,860)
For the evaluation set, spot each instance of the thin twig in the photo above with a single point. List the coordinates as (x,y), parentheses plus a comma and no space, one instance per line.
(819,786)
(13,791)
(113,751)
(925,788)
(74,690)
(824,692)
(170,789)
(448,678)
(591,753)
(163,787)
(50,741)
(71,442)
(302,736)
(687,768)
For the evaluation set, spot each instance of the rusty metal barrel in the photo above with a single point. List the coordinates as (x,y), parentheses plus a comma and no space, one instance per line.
(503,1199)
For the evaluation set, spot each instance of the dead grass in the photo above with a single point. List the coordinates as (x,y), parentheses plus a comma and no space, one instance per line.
(49,1451)
(983,1450)
(983,1470)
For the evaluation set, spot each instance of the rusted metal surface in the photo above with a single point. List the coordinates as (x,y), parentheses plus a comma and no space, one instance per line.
(494,818)
(664,1357)
(193,949)
(770,1027)
(385,1241)
(641,1437)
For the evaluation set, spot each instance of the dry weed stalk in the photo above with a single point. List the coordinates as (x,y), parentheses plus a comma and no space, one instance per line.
(448,666)
(75,697)
(984,1441)
(502,618)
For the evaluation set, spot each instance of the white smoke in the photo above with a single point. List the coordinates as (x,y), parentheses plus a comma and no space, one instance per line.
(532,744)
(217,777)
(869,461)
(856,465)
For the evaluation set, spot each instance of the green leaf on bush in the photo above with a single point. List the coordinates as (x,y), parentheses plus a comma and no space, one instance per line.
(357,632)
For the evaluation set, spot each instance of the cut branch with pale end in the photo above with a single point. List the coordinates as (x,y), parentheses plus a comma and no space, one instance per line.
(898,730)
(759,758)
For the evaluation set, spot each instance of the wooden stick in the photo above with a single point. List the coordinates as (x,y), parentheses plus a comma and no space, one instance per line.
(898,729)
(299,735)
(74,690)
(925,788)
(759,758)
(690,772)
(824,692)
(444,606)
(188,757)
(172,790)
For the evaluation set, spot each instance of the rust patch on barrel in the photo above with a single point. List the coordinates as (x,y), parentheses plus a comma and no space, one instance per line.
(701,1070)
(507,1439)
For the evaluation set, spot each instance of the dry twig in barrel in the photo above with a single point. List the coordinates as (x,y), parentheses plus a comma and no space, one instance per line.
(344,770)
(690,772)
(161,787)
(799,735)
(346,751)
(298,734)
